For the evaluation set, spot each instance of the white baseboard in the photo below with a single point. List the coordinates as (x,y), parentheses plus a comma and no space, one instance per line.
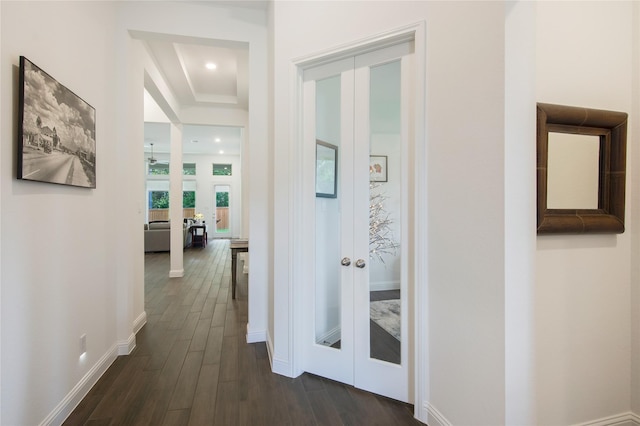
(278,366)
(140,322)
(244,257)
(421,413)
(176,273)
(125,347)
(256,336)
(384,285)
(624,419)
(435,417)
(331,336)
(281,367)
(270,349)
(80,390)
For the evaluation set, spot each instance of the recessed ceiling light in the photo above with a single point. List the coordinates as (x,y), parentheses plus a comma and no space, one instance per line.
(221,152)
(211,66)
(217,139)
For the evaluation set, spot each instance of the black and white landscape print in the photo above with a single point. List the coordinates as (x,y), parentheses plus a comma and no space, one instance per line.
(56,131)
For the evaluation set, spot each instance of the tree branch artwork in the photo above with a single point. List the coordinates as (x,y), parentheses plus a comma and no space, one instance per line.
(381,241)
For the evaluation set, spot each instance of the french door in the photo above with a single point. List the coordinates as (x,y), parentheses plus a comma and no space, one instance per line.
(355,217)
(222,213)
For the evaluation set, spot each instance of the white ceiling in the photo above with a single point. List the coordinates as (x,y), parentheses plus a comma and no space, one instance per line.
(182,62)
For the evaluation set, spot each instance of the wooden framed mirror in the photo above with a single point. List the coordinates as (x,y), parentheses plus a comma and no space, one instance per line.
(581,170)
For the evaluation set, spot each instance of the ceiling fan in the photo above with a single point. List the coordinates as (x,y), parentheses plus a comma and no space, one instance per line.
(152,159)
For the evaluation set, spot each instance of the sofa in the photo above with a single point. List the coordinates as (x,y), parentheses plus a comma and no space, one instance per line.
(157,236)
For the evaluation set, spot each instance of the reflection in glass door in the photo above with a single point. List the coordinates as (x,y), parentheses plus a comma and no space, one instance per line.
(328,279)
(221,208)
(385,213)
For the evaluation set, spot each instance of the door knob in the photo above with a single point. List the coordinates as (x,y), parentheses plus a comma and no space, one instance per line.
(360,263)
(345,261)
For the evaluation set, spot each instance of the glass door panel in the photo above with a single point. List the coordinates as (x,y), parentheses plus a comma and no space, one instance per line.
(385,213)
(381,180)
(328,298)
(222,225)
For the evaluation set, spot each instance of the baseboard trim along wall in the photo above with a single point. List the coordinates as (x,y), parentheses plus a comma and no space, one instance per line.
(278,366)
(384,285)
(125,347)
(281,367)
(435,417)
(176,273)
(80,390)
(256,335)
(624,419)
(331,336)
(140,322)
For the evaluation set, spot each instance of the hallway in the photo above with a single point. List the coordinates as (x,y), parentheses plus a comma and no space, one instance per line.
(192,365)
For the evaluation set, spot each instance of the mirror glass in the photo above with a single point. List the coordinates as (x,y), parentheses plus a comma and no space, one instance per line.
(573,170)
(581,170)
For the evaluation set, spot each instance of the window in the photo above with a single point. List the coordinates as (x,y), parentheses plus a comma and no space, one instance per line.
(160,199)
(222,198)
(189,199)
(189,169)
(159,169)
(222,169)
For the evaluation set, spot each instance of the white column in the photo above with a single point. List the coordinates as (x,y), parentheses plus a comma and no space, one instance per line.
(175,202)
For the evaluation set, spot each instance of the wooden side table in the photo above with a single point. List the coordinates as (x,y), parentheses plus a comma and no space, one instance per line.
(237,246)
(199,235)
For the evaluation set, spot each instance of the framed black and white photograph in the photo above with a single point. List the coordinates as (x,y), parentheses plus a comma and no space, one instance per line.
(326,170)
(377,168)
(56,131)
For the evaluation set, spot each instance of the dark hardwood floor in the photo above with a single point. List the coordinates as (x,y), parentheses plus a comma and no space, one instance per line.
(192,365)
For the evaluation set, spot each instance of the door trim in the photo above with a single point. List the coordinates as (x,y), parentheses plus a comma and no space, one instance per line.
(417,276)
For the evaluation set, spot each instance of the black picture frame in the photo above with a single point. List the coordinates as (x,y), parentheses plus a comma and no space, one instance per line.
(378,168)
(56,131)
(326,170)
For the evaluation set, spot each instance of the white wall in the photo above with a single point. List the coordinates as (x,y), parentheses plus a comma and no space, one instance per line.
(48,299)
(634,231)
(465,137)
(465,166)
(585,53)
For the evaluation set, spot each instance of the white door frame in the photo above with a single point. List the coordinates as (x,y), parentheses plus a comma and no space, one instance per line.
(417,276)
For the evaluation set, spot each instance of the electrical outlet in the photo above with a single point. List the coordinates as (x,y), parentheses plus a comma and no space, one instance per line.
(83,344)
